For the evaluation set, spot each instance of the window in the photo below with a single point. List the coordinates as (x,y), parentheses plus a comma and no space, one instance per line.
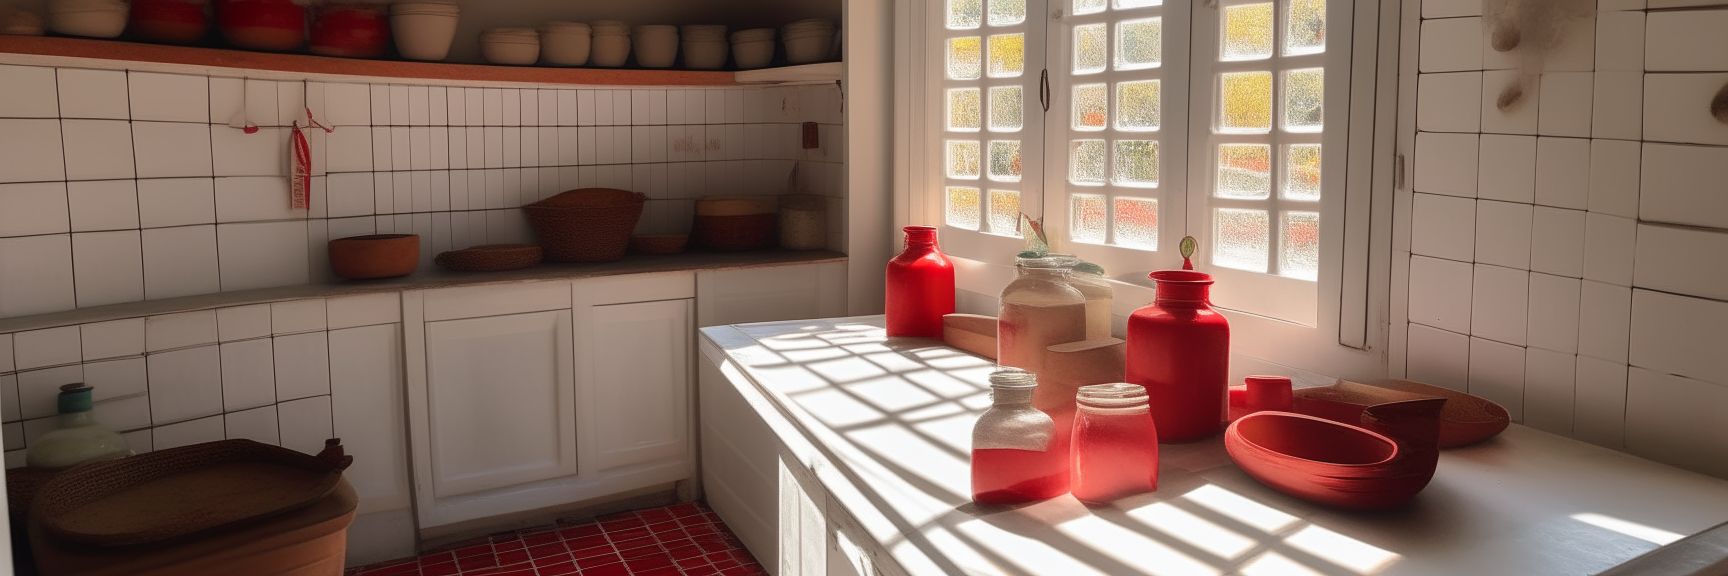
(991,118)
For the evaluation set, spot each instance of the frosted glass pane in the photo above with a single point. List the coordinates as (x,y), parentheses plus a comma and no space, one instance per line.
(1299,246)
(1086,162)
(963,109)
(1137,163)
(1121,4)
(1007,55)
(1139,43)
(1247,102)
(1248,32)
(1088,218)
(1242,239)
(1305,32)
(1007,108)
(963,207)
(1007,12)
(1244,171)
(1137,223)
(962,159)
(965,14)
(1005,160)
(1005,212)
(1090,42)
(1088,6)
(965,57)
(1304,94)
(1091,106)
(1302,172)
(1137,106)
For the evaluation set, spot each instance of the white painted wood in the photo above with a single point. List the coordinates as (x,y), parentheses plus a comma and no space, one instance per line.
(369,411)
(634,288)
(474,301)
(637,366)
(740,455)
(820,73)
(1677,108)
(767,294)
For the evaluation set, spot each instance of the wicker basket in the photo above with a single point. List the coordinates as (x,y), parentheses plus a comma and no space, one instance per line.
(658,243)
(587,224)
(490,258)
(735,222)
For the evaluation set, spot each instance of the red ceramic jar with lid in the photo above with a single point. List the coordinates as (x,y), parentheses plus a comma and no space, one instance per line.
(920,286)
(351,30)
(276,25)
(170,21)
(1179,349)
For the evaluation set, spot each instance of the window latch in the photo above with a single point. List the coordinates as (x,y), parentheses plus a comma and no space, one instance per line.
(1044,89)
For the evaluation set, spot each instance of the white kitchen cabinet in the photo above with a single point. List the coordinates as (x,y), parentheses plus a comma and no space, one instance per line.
(770,294)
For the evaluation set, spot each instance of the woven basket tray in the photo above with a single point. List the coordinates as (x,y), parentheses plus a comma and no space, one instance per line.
(490,258)
(184,491)
(587,224)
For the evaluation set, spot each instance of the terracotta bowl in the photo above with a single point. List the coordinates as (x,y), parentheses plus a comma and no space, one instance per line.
(1325,462)
(375,256)
(1466,419)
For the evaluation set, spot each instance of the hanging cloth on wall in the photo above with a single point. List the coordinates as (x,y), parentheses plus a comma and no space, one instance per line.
(300,164)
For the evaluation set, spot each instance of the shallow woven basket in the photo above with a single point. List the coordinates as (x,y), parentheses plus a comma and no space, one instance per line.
(658,243)
(490,258)
(587,224)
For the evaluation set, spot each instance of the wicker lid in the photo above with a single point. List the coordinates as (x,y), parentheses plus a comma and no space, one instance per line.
(737,205)
(592,198)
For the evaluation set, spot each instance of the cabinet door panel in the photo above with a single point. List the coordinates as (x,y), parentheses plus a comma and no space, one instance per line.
(501,400)
(641,371)
(771,294)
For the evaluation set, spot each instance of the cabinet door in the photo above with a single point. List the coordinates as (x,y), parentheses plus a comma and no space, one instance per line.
(638,362)
(771,294)
(500,401)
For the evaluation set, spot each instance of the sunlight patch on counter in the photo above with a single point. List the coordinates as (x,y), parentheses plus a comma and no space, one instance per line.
(1133,549)
(1240,508)
(1350,553)
(1628,527)
(1196,531)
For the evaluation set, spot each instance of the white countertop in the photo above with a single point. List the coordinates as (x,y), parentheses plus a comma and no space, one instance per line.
(885,424)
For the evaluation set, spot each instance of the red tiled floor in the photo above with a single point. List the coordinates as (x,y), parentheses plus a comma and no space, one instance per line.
(679,540)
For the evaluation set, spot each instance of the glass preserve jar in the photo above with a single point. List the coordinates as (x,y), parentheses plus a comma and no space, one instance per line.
(77,437)
(1115,450)
(1038,310)
(1089,279)
(1015,455)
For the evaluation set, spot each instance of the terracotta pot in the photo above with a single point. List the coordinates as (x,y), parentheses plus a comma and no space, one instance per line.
(169,21)
(1179,349)
(351,31)
(375,256)
(1259,394)
(1376,466)
(275,25)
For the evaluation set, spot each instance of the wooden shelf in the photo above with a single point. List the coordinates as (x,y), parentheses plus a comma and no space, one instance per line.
(820,73)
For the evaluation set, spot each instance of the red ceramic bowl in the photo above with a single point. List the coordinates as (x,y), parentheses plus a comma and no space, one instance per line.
(275,25)
(351,32)
(1326,462)
(375,256)
(169,21)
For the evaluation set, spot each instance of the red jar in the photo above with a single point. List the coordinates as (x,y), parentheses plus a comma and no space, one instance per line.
(169,21)
(275,25)
(920,287)
(1179,349)
(1115,451)
(351,31)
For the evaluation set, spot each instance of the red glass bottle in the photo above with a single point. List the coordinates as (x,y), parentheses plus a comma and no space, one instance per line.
(1015,454)
(1179,349)
(920,287)
(1115,450)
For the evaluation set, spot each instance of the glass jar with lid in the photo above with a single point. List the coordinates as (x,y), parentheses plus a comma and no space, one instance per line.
(1039,309)
(77,438)
(1016,456)
(1089,279)
(1115,451)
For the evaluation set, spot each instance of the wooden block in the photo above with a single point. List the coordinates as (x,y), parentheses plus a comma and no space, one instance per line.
(971,332)
(1069,366)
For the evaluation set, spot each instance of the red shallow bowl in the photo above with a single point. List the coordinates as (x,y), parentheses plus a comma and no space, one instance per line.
(351,33)
(262,24)
(1326,462)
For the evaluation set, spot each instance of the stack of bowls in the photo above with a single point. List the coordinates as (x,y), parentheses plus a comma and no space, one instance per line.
(91,18)
(704,46)
(611,43)
(514,46)
(424,29)
(753,48)
(351,30)
(808,40)
(656,45)
(170,21)
(565,43)
(277,25)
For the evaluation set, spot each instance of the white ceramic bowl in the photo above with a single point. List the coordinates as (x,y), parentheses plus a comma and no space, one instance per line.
(753,35)
(423,31)
(513,46)
(610,50)
(656,45)
(705,54)
(753,54)
(87,18)
(702,32)
(809,47)
(565,43)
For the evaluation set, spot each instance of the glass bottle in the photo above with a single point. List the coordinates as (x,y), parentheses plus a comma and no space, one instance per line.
(1038,310)
(1179,349)
(1015,455)
(78,437)
(1115,450)
(920,288)
(1089,279)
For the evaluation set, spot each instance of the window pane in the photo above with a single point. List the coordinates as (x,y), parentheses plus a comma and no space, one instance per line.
(964,14)
(1305,33)
(1139,43)
(963,207)
(964,57)
(1090,42)
(1248,32)
(1304,92)
(1137,106)
(1242,238)
(962,159)
(1121,4)
(1086,162)
(963,109)
(1007,12)
(1137,163)
(1091,106)
(1007,55)
(1005,160)
(1302,172)
(1244,171)
(1137,223)
(1299,246)
(1005,212)
(1007,109)
(1088,6)
(1247,99)
(1088,218)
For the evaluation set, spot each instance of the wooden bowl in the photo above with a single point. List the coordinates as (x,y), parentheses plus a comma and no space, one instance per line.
(1466,419)
(375,256)
(1326,462)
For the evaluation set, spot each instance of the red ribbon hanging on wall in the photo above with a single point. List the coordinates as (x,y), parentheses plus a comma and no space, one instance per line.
(300,164)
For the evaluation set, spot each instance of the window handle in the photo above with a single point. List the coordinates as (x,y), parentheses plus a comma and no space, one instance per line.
(1044,89)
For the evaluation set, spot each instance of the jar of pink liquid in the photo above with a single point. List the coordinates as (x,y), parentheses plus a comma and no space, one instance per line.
(1015,456)
(1115,451)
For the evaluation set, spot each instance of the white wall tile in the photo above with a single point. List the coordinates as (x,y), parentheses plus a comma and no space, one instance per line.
(548,107)
(35,275)
(263,153)
(1557,242)
(1519,115)
(38,390)
(97,149)
(1565,104)
(188,433)
(28,92)
(1499,304)
(348,104)
(97,205)
(1508,168)
(1548,390)
(1440,293)
(108,267)
(1676,108)
(1614,166)
(1445,102)
(1438,357)
(1679,335)
(1599,402)
(171,149)
(350,194)
(1618,105)
(1445,163)
(1563,172)
(248,374)
(1681,261)
(258,424)
(32,209)
(180,262)
(302,366)
(364,310)
(48,347)
(185,384)
(1553,311)
(1670,179)
(169,97)
(1678,421)
(511,99)
(1575,46)
(1689,41)
(1503,233)
(242,322)
(492,106)
(253,198)
(295,316)
(9,397)
(1451,45)
(112,339)
(118,378)
(93,94)
(305,424)
(1604,321)
(229,106)
(1608,248)
(30,151)
(1497,373)
(180,330)
(291,103)
(262,255)
(176,202)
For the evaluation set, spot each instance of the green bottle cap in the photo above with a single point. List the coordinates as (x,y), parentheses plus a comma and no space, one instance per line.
(75,398)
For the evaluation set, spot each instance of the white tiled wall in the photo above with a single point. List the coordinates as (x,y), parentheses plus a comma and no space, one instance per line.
(1570,255)
(124,186)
